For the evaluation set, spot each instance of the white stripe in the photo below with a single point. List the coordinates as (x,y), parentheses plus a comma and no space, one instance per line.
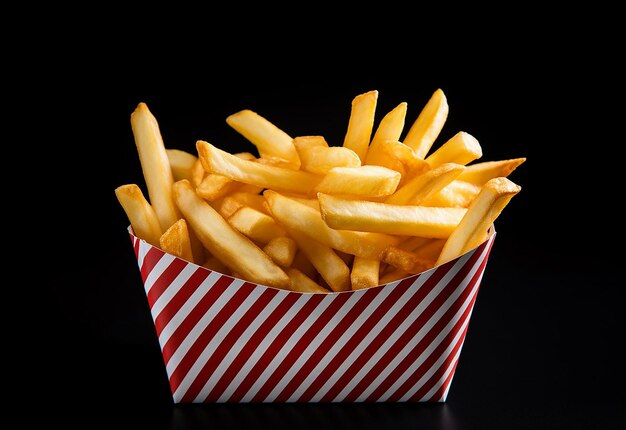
(157,270)
(393,338)
(197,330)
(435,343)
(217,339)
(280,356)
(358,350)
(263,345)
(323,333)
(144,247)
(187,307)
(172,289)
(239,344)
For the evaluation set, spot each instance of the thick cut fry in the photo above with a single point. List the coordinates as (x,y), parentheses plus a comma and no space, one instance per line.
(329,265)
(319,160)
(141,215)
(361,123)
(176,241)
(256,225)
(457,194)
(367,181)
(270,140)
(303,284)
(401,158)
(305,142)
(375,217)
(217,161)
(423,186)
(480,173)
(232,248)
(406,261)
(181,163)
(298,216)
(428,124)
(390,128)
(364,273)
(281,250)
(155,165)
(462,148)
(214,186)
(482,212)
(197,173)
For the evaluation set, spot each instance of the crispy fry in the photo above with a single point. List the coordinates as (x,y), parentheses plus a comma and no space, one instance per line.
(482,212)
(215,186)
(141,215)
(462,148)
(364,273)
(282,250)
(367,181)
(361,123)
(155,164)
(390,128)
(423,186)
(407,261)
(256,225)
(197,173)
(232,248)
(457,194)
(479,173)
(217,161)
(428,124)
(176,241)
(181,163)
(389,219)
(401,158)
(319,159)
(270,140)
(303,284)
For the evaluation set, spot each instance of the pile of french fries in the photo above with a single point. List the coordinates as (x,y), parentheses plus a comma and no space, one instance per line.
(302,215)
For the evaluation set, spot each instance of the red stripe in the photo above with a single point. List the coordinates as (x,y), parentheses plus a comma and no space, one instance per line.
(312,302)
(207,334)
(152,257)
(327,344)
(250,346)
(197,312)
(438,396)
(165,280)
(411,331)
(229,341)
(296,351)
(135,241)
(357,338)
(179,299)
(384,334)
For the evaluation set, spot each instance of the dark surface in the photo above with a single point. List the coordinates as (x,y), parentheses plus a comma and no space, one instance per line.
(543,349)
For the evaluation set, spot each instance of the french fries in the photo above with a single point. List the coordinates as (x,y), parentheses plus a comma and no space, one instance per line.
(313,218)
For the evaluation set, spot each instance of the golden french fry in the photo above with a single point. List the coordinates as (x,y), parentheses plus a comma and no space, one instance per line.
(367,181)
(364,273)
(256,225)
(302,283)
(407,261)
(270,140)
(217,161)
(232,248)
(428,124)
(277,162)
(423,186)
(181,163)
(305,142)
(216,265)
(176,241)
(390,128)
(479,173)
(376,217)
(393,275)
(155,165)
(303,264)
(197,173)
(456,194)
(462,148)
(319,159)
(300,217)
(430,250)
(329,265)
(401,158)
(411,243)
(215,186)
(141,215)
(361,123)
(482,212)
(282,250)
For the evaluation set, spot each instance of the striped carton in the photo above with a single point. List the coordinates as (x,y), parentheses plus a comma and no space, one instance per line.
(227,340)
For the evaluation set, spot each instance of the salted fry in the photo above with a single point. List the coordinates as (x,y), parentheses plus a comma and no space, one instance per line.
(462,148)
(361,123)
(141,215)
(406,261)
(423,186)
(390,128)
(364,273)
(457,194)
(421,221)
(217,161)
(479,173)
(176,241)
(155,165)
(232,248)
(256,225)
(282,250)
(482,212)
(270,140)
(319,160)
(181,163)
(303,284)
(428,124)
(366,181)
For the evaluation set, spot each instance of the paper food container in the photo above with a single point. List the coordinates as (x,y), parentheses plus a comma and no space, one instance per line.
(228,340)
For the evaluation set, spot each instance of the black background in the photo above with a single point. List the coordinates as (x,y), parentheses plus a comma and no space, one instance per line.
(543,349)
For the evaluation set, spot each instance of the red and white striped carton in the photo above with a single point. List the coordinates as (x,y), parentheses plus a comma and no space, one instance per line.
(228,340)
